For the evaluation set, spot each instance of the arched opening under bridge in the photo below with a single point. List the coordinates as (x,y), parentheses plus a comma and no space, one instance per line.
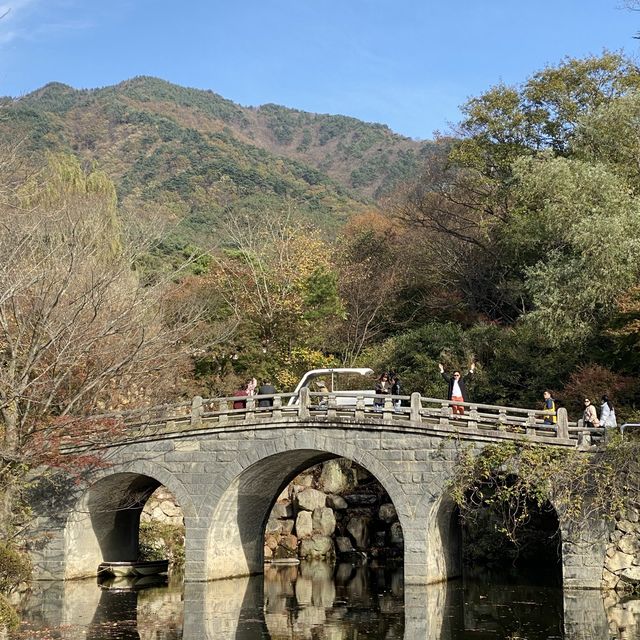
(105,526)
(252,508)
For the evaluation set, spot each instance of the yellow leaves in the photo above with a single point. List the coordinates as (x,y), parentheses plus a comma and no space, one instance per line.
(270,275)
(63,180)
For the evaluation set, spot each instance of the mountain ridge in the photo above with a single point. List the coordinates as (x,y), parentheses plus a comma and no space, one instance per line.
(199,154)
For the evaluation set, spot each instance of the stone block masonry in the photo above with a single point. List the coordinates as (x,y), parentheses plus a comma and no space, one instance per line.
(228,478)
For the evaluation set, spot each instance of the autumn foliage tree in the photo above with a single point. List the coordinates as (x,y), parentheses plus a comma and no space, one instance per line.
(276,278)
(78,331)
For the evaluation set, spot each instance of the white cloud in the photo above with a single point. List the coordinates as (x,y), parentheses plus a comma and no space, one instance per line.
(30,20)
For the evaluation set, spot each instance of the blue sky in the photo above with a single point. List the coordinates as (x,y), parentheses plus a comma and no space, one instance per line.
(405,63)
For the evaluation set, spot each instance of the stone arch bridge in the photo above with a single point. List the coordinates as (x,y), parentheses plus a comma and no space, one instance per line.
(227,466)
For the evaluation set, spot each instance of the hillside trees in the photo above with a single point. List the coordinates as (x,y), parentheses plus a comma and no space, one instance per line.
(529,228)
(524,157)
(370,277)
(78,331)
(275,278)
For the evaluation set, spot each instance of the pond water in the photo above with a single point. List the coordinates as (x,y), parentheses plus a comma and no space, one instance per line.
(317,601)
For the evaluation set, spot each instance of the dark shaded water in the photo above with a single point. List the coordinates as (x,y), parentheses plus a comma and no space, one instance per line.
(317,601)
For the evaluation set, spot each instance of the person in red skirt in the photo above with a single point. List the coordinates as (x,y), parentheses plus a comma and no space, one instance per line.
(457,391)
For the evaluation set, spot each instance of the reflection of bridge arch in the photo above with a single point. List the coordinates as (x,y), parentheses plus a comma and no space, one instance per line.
(237,510)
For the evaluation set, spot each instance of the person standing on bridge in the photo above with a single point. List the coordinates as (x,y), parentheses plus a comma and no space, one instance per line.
(607,413)
(239,393)
(383,387)
(550,408)
(457,391)
(266,389)
(251,387)
(589,415)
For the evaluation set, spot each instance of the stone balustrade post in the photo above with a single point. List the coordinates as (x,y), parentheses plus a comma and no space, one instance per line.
(223,409)
(251,407)
(445,413)
(277,407)
(531,423)
(304,400)
(562,424)
(387,411)
(359,415)
(332,405)
(196,411)
(474,416)
(416,406)
(502,420)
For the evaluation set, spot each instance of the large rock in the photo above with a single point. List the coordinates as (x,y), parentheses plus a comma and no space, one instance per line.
(343,544)
(170,509)
(358,527)
(273,526)
(631,575)
(310,499)
(629,544)
(337,503)
(324,521)
(287,526)
(287,547)
(304,524)
(316,547)
(332,478)
(387,512)
(619,561)
(361,499)
(282,510)
(271,541)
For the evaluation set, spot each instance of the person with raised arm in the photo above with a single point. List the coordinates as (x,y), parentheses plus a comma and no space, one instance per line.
(457,391)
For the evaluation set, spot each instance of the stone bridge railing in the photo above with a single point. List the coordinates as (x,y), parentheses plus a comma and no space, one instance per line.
(354,410)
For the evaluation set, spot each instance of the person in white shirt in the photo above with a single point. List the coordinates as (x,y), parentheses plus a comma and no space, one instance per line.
(457,391)
(607,413)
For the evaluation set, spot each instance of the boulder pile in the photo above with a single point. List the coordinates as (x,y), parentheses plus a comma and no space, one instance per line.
(333,509)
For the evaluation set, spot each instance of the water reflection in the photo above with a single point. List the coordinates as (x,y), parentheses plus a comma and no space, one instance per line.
(316,601)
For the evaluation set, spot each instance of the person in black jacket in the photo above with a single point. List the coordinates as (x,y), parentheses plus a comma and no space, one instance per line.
(266,388)
(457,390)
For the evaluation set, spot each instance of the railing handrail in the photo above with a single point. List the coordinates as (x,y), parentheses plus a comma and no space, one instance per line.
(414,411)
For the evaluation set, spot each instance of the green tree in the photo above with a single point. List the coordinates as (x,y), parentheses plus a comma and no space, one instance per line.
(576,232)
(609,134)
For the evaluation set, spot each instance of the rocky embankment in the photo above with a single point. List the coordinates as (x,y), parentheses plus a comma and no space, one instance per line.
(622,564)
(333,509)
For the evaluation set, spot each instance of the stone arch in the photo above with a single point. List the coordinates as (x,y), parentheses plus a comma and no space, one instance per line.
(445,538)
(104,523)
(235,512)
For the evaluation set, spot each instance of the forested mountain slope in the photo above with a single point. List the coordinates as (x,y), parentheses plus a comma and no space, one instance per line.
(196,155)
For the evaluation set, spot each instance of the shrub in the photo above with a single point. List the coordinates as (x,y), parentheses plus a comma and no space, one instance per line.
(159,541)
(8,616)
(14,568)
